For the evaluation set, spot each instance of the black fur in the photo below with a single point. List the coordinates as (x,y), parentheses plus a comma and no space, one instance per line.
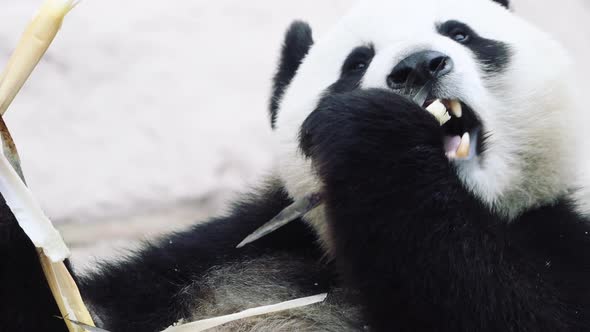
(494,55)
(423,252)
(141,294)
(505,3)
(297,43)
(353,70)
(26,303)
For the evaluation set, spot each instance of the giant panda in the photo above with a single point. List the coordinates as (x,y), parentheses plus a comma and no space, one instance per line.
(410,235)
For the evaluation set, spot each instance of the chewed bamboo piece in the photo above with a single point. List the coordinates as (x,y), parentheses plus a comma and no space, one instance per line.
(29,215)
(296,210)
(66,294)
(439,111)
(210,323)
(52,250)
(32,46)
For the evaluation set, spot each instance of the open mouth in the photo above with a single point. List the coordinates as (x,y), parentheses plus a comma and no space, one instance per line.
(463,137)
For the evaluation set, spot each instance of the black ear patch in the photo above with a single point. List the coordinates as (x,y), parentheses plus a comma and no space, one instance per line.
(505,3)
(297,43)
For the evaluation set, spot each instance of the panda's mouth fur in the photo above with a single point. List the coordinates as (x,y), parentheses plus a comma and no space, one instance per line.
(463,135)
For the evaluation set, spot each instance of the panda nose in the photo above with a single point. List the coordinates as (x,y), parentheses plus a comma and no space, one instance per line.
(419,68)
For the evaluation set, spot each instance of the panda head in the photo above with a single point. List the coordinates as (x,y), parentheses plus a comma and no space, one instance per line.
(512,80)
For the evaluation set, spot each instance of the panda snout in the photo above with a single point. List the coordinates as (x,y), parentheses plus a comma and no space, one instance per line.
(418,69)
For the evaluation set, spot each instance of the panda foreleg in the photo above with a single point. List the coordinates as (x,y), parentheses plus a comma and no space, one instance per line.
(422,251)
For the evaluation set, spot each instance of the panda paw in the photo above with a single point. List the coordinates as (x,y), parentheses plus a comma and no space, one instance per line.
(382,165)
(387,186)
(364,137)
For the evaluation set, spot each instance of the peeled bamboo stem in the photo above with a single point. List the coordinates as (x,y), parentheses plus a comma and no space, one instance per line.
(32,46)
(207,324)
(66,293)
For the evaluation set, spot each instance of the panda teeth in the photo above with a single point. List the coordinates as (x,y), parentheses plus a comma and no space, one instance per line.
(464,147)
(456,108)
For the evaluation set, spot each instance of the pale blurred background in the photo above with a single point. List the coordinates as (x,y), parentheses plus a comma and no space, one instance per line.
(147,115)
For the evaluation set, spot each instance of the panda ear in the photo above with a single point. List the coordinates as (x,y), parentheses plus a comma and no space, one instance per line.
(298,41)
(505,3)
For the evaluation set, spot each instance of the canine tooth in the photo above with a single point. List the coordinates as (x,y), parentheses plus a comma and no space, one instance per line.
(451,155)
(439,111)
(456,108)
(463,150)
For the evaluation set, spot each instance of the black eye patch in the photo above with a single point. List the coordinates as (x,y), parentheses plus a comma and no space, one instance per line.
(504,3)
(353,69)
(359,59)
(493,55)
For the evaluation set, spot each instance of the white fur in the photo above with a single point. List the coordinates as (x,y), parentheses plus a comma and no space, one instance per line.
(530,109)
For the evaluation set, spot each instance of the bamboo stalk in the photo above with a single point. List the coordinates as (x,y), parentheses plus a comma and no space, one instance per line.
(27,210)
(66,294)
(51,250)
(32,46)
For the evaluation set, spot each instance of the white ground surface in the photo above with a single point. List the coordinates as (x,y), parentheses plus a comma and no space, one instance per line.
(146,113)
